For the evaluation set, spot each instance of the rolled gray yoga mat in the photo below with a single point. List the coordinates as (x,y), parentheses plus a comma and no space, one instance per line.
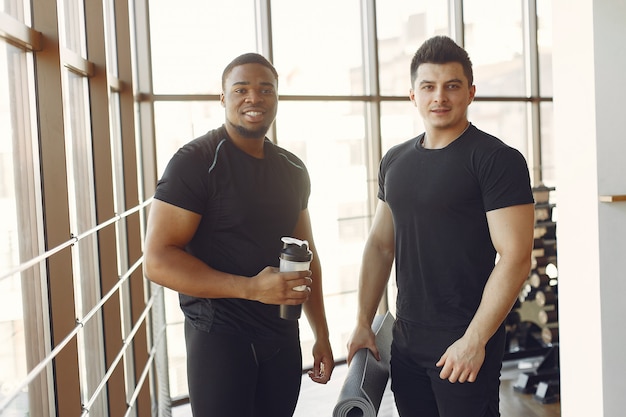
(367,378)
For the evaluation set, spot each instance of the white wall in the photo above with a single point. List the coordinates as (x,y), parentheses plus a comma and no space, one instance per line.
(589,96)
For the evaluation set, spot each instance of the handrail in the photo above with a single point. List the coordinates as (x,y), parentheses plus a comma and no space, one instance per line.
(74,239)
(40,367)
(144,373)
(58,348)
(120,355)
(80,323)
(110,293)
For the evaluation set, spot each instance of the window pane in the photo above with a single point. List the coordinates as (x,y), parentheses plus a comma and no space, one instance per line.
(399,122)
(193,40)
(335,159)
(494,41)
(72,26)
(177,123)
(117,156)
(111,39)
(15,9)
(23,305)
(402,26)
(176,349)
(506,121)
(544,41)
(317,50)
(82,218)
(548,157)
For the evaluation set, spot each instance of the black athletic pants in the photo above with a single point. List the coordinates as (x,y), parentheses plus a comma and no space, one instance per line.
(415,382)
(228,376)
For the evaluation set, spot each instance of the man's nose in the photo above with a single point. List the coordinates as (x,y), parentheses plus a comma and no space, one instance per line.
(254,96)
(440,94)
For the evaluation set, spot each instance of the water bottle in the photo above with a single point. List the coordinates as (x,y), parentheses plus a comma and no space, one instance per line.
(295,256)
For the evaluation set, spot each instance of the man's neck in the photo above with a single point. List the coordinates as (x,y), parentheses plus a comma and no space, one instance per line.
(440,138)
(252,146)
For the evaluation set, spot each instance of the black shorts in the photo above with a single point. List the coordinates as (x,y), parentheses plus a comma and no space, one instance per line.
(415,382)
(229,376)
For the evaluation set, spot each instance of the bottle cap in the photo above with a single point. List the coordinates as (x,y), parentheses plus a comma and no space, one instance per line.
(295,250)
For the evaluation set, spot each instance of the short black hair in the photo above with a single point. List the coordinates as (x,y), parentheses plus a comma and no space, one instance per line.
(247,58)
(441,50)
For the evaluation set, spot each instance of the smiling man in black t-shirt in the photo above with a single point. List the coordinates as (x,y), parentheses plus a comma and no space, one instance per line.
(214,235)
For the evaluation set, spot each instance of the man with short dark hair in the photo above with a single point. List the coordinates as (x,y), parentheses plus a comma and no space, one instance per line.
(451,199)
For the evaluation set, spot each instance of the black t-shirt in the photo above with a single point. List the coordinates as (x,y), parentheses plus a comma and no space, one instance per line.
(439,199)
(247,205)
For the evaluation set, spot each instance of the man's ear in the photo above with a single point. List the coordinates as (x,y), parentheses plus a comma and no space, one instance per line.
(222,99)
(472,94)
(412,97)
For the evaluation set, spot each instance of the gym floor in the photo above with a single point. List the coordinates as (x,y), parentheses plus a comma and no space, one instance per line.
(319,400)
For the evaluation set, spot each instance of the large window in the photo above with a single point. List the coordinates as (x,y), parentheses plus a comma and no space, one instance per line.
(343,103)
(88,123)
(72,322)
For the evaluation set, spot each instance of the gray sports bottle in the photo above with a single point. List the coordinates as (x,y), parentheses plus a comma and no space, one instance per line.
(295,256)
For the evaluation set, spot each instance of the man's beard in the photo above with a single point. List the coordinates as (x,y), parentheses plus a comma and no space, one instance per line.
(249,133)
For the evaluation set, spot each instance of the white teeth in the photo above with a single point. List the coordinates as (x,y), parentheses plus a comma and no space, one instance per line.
(253,113)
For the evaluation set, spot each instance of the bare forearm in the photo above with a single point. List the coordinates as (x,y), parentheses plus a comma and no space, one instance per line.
(498,297)
(314,306)
(374,275)
(511,230)
(176,269)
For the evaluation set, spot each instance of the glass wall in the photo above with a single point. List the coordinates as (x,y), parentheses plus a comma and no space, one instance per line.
(88,124)
(72,321)
(327,68)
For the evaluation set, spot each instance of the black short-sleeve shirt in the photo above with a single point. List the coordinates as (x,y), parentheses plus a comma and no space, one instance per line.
(439,199)
(247,205)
